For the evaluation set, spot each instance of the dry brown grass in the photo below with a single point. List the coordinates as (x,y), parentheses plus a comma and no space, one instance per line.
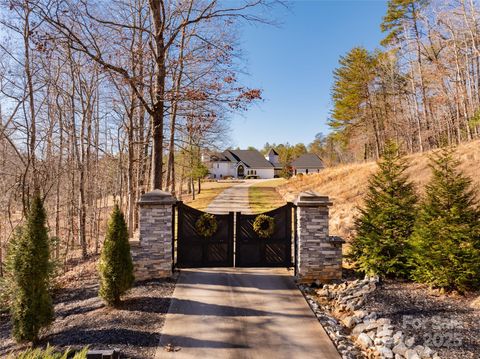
(264,197)
(346,184)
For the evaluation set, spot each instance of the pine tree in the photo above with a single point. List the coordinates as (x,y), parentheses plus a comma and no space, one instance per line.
(31,307)
(116,267)
(398,13)
(350,89)
(446,239)
(385,223)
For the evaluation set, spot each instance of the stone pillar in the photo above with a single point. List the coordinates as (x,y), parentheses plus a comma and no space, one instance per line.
(319,256)
(152,245)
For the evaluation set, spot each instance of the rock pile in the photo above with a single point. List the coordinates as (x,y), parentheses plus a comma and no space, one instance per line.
(336,331)
(348,323)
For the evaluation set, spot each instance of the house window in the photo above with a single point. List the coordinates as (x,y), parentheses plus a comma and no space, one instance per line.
(306,171)
(218,165)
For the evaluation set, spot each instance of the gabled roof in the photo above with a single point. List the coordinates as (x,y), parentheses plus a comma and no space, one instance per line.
(308,160)
(251,158)
(272,150)
(216,156)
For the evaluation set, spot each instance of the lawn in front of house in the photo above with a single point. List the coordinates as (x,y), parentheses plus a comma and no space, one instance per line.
(264,197)
(209,191)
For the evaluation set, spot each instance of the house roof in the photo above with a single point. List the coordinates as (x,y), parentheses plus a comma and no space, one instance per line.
(272,150)
(308,160)
(251,158)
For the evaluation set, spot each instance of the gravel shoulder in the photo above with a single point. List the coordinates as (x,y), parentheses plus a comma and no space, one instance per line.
(81,317)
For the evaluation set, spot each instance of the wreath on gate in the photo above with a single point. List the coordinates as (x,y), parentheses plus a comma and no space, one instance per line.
(264,226)
(206,225)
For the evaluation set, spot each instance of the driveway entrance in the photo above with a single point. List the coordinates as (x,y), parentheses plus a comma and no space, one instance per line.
(241,313)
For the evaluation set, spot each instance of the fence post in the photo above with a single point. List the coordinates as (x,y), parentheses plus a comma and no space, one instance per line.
(152,249)
(319,256)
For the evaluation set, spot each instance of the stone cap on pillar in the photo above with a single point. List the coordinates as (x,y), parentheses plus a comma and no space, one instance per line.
(312,199)
(157,197)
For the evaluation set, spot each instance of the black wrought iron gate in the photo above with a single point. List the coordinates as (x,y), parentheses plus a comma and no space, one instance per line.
(194,250)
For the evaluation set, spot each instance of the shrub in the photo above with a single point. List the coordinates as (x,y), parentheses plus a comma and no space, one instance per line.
(446,239)
(31,269)
(116,267)
(385,223)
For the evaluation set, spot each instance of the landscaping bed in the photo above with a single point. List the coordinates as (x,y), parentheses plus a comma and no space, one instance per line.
(391,319)
(446,322)
(82,319)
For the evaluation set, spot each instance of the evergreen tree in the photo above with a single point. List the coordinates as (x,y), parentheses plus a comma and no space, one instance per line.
(446,239)
(386,221)
(351,93)
(31,306)
(116,267)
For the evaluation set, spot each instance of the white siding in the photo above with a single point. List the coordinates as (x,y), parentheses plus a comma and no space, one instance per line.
(221,169)
(304,170)
(265,172)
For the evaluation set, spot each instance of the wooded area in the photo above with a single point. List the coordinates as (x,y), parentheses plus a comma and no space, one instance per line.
(422,89)
(101,101)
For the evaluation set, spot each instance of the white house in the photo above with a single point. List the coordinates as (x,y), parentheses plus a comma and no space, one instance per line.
(273,157)
(307,163)
(251,163)
(240,164)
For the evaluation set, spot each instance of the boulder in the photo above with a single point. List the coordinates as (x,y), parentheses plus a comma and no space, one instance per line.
(400,349)
(384,321)
(349,321)
(364,341)
(427,352)
(385,352)
(397,337)
(384,333)
(409,342)
(360,314)
(359,328)
(411,354)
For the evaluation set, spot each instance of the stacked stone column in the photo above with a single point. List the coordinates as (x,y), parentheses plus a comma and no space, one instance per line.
(152,247)
(319,256)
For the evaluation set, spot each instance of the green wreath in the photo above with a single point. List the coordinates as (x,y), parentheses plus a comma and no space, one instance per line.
(264,226)
(206,225)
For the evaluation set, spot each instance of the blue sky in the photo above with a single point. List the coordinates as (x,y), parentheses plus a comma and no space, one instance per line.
(293,65)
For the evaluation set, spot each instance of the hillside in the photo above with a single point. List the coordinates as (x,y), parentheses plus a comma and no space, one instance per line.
(346,184)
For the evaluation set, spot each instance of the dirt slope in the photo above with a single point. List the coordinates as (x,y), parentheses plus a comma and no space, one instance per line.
(346,184)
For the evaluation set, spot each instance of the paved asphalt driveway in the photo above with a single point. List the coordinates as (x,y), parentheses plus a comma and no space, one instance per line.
(242,313)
